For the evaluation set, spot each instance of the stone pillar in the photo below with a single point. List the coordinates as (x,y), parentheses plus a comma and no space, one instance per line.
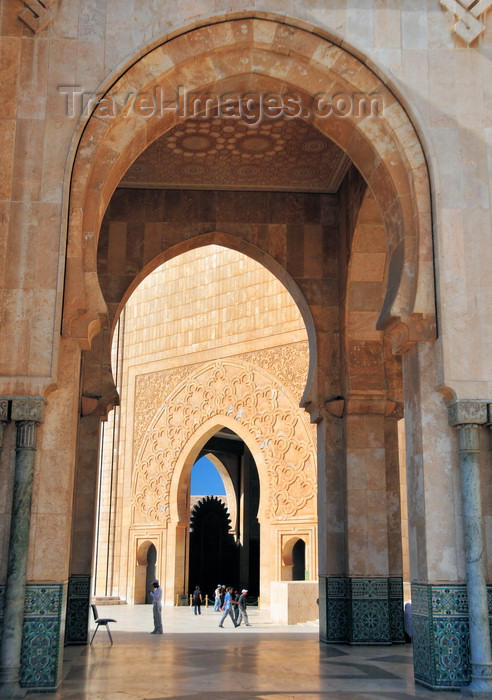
(362,598)
(84,513)
(28,414)
(393,515)
(333,619)
(466,417)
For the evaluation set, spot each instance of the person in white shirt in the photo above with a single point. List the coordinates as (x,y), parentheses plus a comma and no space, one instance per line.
(157,607)
(241,604)
(217,600)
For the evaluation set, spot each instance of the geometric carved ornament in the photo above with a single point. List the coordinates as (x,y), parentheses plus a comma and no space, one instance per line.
(468,26)
(37,14)
(260,405)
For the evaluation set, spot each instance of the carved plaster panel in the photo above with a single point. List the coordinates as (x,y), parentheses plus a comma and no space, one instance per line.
(288,363)
(263,408)
(150,390)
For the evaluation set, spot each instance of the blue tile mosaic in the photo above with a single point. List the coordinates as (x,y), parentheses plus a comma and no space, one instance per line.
(42,635)
(364,610)
(369,622)
(78,607)
(441,638)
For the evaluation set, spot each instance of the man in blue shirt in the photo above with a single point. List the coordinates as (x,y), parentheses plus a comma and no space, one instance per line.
(228,608)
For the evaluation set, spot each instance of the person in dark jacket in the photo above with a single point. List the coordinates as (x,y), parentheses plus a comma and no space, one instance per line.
(197,600)
(241,606)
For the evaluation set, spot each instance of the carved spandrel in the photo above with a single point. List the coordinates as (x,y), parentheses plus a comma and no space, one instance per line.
(251,397)
(289,365)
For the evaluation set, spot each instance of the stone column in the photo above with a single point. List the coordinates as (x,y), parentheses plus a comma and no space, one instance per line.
(28,414)
(83,518)
(394,412)
(466,417)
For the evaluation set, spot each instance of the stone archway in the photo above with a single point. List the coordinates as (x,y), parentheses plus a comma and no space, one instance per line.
(253,53)
(237,55)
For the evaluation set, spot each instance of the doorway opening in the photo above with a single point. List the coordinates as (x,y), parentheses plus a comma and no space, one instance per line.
(299,561)
(224,528)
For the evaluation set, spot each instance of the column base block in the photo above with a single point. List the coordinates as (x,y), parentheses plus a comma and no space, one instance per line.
(441,639)
(362,610)
(78,609)
(43,634)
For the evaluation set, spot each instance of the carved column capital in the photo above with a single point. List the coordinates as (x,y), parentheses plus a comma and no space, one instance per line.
(404,333)
(467,412)
(28,413)
(28,408)
(489,423)
(4,418)
(4,410)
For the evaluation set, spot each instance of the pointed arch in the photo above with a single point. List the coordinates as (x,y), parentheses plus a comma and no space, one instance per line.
(242,54)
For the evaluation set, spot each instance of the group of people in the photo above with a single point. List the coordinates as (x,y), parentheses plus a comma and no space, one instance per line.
(232,603)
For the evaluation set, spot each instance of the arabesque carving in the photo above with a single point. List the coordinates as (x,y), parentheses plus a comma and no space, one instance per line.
(288,363)
(262,406)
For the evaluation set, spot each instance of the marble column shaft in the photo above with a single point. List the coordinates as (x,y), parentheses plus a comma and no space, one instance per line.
(27,413)
(467,417)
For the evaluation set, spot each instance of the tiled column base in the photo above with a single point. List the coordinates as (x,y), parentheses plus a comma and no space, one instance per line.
(78,606)
(42,636)
(362,610)
(441,643)
(396,610)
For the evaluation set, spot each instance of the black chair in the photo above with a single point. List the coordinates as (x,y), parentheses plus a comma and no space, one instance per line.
(101,621)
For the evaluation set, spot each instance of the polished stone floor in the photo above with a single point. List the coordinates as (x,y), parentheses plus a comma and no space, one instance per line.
(195,660)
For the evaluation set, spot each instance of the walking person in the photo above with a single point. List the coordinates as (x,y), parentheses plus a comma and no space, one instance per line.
(228,608)
(241,606)
(157,607)
(235,601)
(217,600)
(197,600)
